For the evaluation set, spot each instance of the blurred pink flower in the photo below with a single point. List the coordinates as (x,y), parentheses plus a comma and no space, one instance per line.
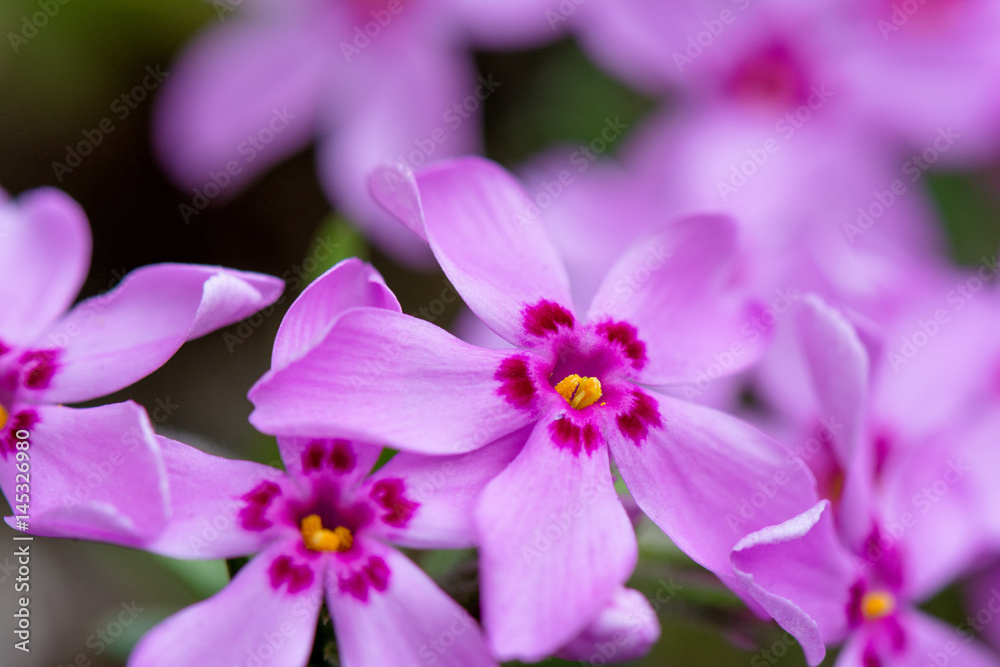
(372,80)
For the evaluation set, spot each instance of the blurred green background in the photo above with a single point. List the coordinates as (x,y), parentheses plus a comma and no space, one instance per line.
(62,82)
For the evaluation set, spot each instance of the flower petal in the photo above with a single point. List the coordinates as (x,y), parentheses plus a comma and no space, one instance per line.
(95,473)
(206,499)
(708,479)
(385,377)
(400,109)
(234,87)
(410,618)
(445,490)
(250,621)
(44,255)
(802,575)
(936,502)
(474,215)
(350,461)
(625,630)
(110,341)
(838,366)
(679,285)
(350,284)
(555,546)
(928,641)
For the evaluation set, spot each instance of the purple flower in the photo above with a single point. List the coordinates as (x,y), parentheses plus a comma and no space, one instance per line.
(905,513)
(51,353)
(319,532)
(917,73)
(373,81)
(322,529)
(555,542)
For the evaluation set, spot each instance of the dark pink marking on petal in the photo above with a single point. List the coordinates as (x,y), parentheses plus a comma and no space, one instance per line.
(337,455)
(378,573)
(312,456)
(284,571)
(373,574)
(870,658)
(569,435)
(545,317)
(342,456)
(390,495)
(22,420)
(38,367)
(252,516)
(516,385)
(4,349)
(626,337)
(642,415)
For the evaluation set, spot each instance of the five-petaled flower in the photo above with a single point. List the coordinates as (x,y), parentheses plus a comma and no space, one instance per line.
(555,542)
(51,353)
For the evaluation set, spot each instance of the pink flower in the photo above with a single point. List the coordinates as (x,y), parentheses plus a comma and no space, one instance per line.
(52,353)
(372,80)
(906,510)
(555,542)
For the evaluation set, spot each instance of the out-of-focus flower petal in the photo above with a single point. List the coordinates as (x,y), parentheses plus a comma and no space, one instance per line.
(44,255)
(235,87)
(680,287)
(625,630)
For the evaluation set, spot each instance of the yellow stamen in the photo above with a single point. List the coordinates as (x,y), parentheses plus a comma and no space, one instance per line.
(3,417)
(318,538)
(877,604)
(579,392)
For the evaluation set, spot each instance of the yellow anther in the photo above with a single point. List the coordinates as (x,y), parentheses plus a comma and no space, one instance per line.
(3,417)
(318,538)
(579,392)
(877,604)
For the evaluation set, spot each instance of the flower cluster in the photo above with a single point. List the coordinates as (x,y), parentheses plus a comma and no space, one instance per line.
(742,334)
